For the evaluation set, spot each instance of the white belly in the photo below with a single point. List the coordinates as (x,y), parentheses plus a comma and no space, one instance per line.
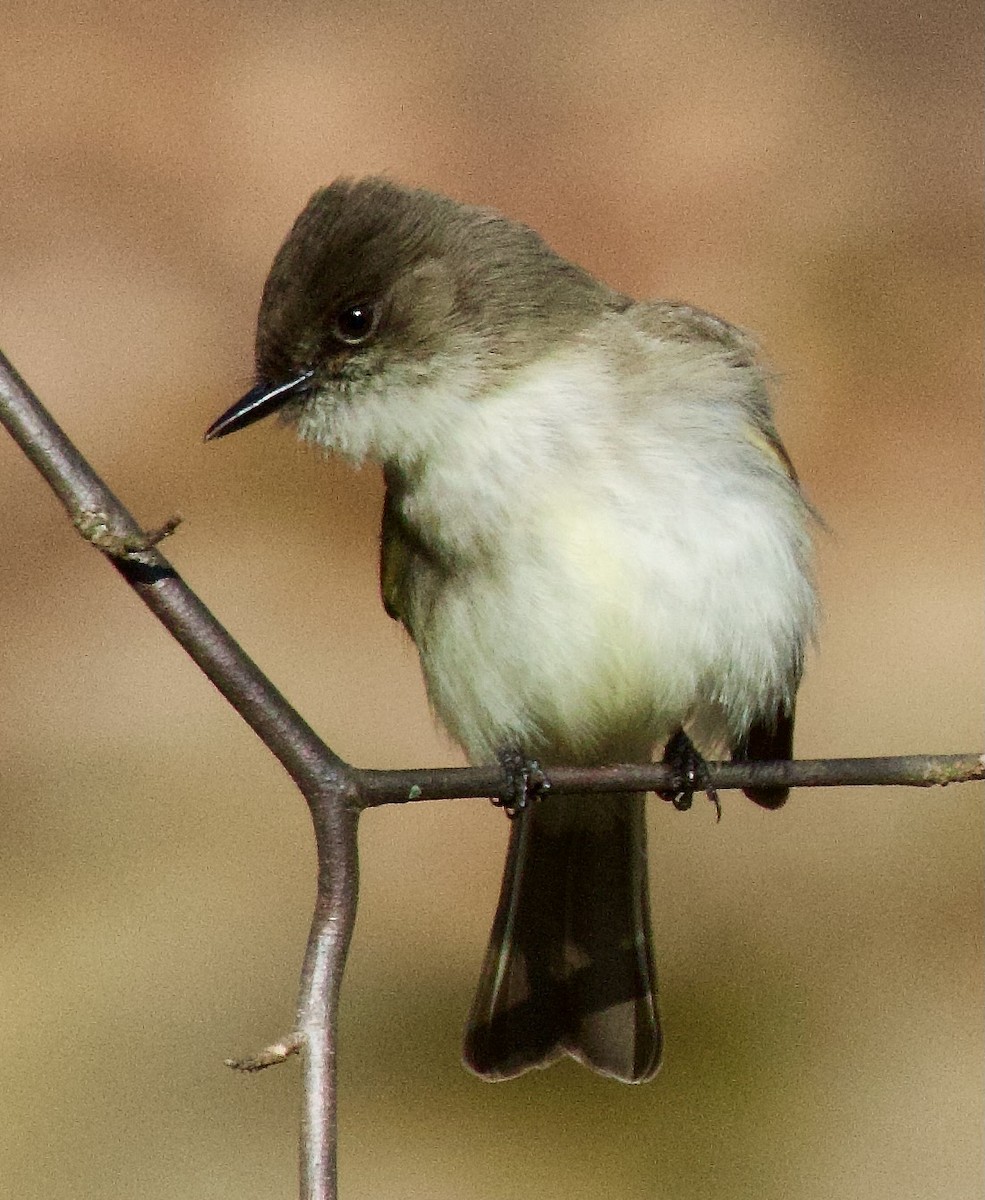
(596,637)
(611,573)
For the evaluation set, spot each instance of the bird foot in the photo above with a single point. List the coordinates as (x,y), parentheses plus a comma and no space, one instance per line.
(524,783)
(689,774)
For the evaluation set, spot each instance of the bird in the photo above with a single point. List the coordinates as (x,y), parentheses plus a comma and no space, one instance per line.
(593,535)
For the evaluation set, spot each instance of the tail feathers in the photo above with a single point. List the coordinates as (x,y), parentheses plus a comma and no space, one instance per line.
(569,969)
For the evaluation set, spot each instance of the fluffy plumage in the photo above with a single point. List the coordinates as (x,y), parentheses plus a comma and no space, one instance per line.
(592,533)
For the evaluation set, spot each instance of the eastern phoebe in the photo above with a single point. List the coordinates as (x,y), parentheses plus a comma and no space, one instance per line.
(591,531)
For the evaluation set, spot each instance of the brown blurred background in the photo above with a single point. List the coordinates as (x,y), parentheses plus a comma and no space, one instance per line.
(811,171)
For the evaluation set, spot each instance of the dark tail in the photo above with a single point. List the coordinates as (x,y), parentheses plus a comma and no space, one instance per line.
(569,969)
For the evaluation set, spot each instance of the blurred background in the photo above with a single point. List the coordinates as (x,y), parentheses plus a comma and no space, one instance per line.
(813,172)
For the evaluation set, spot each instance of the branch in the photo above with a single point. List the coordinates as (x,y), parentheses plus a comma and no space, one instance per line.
(325,780)
(335,791)
(456,783)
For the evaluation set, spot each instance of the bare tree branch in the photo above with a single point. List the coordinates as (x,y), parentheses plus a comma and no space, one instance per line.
(324,779)
(447,783)
(335,791)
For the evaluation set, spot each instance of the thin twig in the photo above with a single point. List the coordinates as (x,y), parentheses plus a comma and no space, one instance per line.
(335,791)
(457,783)
(325,780)
(269,1056)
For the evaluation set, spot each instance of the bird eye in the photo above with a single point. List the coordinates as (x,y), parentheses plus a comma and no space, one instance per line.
(356,323)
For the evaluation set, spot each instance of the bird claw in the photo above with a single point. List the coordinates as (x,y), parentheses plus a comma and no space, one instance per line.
(689,774)
(525,782)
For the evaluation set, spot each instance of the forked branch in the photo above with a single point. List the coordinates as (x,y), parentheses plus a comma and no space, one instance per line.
(335,791)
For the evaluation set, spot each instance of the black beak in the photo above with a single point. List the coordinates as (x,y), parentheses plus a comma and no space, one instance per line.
(258,402)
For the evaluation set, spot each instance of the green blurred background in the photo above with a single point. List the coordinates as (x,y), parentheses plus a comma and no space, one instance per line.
(811,171)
